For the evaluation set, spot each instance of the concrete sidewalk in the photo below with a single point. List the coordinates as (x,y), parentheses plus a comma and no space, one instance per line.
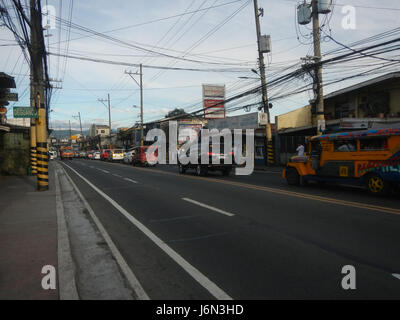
(28,237)
(53,228)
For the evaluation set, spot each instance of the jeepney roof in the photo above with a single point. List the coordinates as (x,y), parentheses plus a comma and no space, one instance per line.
(358,134)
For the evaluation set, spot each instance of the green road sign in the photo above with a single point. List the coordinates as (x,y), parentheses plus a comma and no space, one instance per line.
(25,112)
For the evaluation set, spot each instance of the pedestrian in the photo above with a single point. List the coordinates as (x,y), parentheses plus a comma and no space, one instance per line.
(300,150)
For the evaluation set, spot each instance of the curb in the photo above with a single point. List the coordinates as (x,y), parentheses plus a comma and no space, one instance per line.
(66,266)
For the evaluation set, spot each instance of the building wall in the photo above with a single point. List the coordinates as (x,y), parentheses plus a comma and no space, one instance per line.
(14,152)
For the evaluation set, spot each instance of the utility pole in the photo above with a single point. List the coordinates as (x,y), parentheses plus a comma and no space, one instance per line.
(33,158)
(70,134)
(80,123)
(319,101)
(270,153)
(37,56)
(109,114)
(140,84)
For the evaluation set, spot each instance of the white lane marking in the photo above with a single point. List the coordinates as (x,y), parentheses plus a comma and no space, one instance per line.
(210,286)
(116,175)
(396,275)
(133,281)
(130,180)
(91,167)
(209,207)
(105,171)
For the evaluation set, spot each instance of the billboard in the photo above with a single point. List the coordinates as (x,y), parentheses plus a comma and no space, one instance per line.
(246,121)
(214,101)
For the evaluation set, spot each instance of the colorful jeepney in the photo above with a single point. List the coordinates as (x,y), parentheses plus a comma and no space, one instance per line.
(369,157)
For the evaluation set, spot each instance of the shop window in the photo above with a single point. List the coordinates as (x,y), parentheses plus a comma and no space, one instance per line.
(373,144)
(345,146)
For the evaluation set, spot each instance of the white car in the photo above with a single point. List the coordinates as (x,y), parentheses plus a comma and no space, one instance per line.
(96,156)
(52,155)
(128,156)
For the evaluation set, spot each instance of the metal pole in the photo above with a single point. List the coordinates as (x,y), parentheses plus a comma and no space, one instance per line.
(270,155)
(109,118)
(141,105)
(318,70)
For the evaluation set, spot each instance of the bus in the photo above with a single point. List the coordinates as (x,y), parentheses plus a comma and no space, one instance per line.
(66,153)
(370,158)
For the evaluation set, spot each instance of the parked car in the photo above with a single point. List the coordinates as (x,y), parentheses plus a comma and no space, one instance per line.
(66,153)
(128,156)
(116,155)
(104,154)
(96,155)
(139,156)
(82,154)
(90,155)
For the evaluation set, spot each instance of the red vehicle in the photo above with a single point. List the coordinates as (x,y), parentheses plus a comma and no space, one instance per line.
(104,154)
(66,153)
(139,156)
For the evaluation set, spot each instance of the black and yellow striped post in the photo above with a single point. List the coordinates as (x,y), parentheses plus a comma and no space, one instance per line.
(270,153)
(41,148)
(33,159)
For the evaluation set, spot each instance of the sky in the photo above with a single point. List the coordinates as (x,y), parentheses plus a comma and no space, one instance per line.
(224,34)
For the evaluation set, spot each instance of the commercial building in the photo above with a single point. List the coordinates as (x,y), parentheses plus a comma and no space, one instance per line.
(369,104)
(99,130)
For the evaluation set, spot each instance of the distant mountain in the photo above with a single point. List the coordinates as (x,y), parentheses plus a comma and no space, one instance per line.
(59,134)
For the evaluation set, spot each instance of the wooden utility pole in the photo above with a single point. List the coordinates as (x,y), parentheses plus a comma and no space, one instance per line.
(319,101)
(37,56)
(269,146)
(140,84)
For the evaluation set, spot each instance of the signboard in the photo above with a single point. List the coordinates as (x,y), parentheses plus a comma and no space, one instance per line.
(25,112)
(9,96)
(214,101)
(246,121)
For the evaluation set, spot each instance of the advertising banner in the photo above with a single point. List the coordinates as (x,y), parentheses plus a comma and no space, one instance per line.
(214,101)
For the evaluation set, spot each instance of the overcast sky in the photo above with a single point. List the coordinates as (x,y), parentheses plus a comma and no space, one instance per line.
(191,36)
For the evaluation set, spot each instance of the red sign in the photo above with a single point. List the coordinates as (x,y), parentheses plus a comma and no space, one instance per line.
(214,108)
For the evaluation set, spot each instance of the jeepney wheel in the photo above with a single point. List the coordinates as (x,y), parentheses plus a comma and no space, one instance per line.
(200,171)
(292,177)
(377,185)
(181,169)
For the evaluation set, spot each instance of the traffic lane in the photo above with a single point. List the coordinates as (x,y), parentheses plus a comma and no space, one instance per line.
(351,231)
(371,277)
(364,235)
(274,179)
(160,277)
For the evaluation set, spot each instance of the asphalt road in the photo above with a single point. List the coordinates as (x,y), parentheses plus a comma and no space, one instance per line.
(244,237)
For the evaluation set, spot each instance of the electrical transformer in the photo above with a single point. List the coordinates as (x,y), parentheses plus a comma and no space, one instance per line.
(304,14)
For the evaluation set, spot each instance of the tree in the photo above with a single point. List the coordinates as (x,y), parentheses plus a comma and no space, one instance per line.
(176,112)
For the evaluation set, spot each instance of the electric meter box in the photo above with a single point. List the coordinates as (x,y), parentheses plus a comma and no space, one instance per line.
(324,6)
(265,44)
(304,14)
